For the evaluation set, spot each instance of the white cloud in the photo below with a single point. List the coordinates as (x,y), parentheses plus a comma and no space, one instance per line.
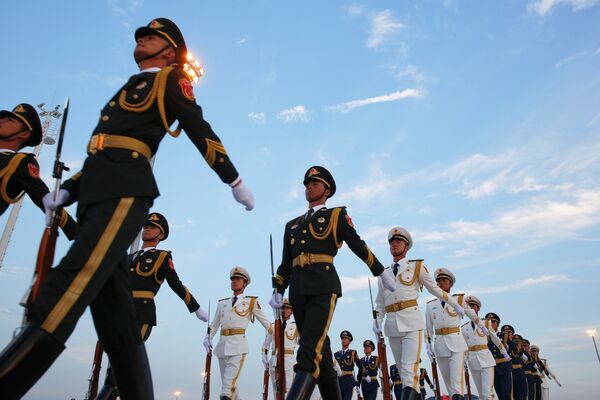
(355,10)
(257,117)
(241,41)
(522,284)
(543,7)
(382,26)
(124,10)
(295,114)
(353,284)
(576,56)
(395,96)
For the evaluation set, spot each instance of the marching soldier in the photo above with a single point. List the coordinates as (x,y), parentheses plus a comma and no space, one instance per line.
(530,372)
(148,269)
(423,376)
(20,172)
(503,370)
(310,243)
(516,358)
(404,323)
(480,359)
(233,314)
(114,190)
(544,372)
(369,371)
(290,338)
(449,345)
(396,381)
(537,372)
(344,362)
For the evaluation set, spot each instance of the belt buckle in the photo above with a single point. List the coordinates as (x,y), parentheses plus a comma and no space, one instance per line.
(96,143)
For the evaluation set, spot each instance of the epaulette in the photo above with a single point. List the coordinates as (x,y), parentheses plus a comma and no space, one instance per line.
(159,250)
(466,323)
(432,300)
(457,294)
(226,298)
(417,259)
(251,297)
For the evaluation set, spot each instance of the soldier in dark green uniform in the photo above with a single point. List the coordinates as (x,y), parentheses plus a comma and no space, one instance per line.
(148,269)
(310,243)
(369,371)
(20,172)
(115,189)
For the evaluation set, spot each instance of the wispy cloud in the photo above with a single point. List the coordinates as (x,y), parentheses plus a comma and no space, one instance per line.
(241,41)
(543,7)
(522,284)
(124,10)
(576,56)
(382,27)
(298,113)
(395,96)
(257,117)
(354,10)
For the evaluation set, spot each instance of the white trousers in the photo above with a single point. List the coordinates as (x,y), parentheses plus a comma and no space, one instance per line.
(231,367)
(452,369)
(484,381)
(290,360)
(545,393)
(406,349)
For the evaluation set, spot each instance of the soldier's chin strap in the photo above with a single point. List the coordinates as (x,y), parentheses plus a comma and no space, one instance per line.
(153,55)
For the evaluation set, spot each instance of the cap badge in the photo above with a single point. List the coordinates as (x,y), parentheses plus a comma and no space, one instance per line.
(153,217)
(313,171)
(19,109)
(156,25)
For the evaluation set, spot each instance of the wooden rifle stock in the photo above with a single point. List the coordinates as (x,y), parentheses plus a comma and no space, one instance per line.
(96,367)
(436,380)
(280,346)
(381,349)
(265,395)
(206,384)
(44,260)
(468,381)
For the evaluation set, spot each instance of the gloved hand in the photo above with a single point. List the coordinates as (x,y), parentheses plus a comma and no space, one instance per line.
(524,357)
(459,310)
(51,205)
(207,343)
(429,350)
(338,370)
(358,394)
(276,303)
(242,194)
(201,314)
(387,280)
(368,379)
(505,354)
(485,330)
(265,360)
(376,327)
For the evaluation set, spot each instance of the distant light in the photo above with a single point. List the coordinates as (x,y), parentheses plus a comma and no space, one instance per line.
(591,332)
(177,393)
(203,373)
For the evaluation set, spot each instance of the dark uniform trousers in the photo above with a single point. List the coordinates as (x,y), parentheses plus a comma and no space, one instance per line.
(347,385)
(369,389)
(347,362)
(370,367)
(531,395)
(309,246)
(396,381)
(502,373)
(398,390)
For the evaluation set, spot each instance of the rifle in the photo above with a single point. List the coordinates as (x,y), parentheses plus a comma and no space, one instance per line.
(265,395)
(436,378)
(45,256)
(96,367)
(207,363)
(468,381)
(279,340)
(381,350)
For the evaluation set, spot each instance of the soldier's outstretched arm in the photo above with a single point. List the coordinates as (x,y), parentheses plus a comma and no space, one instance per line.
(216,322)
(472,315)
(347,233)
(428,325)
(282,279)
(380,303)
(167,271)
(262,318)
(268,339)
(426,280)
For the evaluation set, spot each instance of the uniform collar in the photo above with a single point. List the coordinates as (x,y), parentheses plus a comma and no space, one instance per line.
(317,207)
(151,69)
(403,262)
(148,248)
(7,151)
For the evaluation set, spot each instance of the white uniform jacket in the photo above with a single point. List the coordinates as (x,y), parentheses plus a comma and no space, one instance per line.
(480,356)
(402,316)
(231,322)
(445,323)
(291,337)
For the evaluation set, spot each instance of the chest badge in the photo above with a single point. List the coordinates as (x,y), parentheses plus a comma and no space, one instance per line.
(148,260)
(142,85)
(292,241)
(321,220)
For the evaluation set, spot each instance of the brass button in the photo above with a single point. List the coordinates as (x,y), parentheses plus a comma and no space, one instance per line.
(304,231)
(131,269)
(145,301)
(112,103)
(302,241)
(327,268)
(105,118)
(135,96)
(135,154)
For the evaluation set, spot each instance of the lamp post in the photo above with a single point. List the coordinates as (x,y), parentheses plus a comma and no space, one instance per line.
(177,393)
(592,333)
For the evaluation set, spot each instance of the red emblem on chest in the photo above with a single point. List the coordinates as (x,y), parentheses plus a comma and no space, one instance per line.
(33,170)
(186,89)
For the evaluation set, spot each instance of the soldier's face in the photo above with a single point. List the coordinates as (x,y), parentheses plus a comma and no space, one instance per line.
(148,45)
(9,126)
(368,350)
(315,190)
(345,342)
(398,247)
(445,284)
(151,232)
(287,312)
(474,307)
(494,325)
(237,283)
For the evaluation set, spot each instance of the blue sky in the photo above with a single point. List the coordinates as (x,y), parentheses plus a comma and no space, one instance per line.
(475,125)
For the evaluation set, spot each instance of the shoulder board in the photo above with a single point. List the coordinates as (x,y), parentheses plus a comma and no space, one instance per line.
(465,324)
(432,300)
(251,297)
(291,322)
(458,294)
(226,298)
(160,251)
(417,259)
(333,208)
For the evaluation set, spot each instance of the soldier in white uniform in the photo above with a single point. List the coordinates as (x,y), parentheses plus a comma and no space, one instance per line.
(545,372)
(233,315)
(290,342)
(480,359)
(449,347)
(404,323)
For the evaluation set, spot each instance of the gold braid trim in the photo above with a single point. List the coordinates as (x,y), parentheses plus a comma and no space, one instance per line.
(415,275)
(154,269)
(7,173)
(370,258)
(64,217)
(212,146)
(188,296)
(333,223)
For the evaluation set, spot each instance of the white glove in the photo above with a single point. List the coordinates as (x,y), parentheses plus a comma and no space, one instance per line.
(207,343)
(51,205)
(524,357)
(387,280)
(265,360)
(358,394)
(242,194)
(338,370)
(368,379)
(201,314)
(505,354)
(376,327)
(429,350)
(276,303)
(459,310)
(485,330)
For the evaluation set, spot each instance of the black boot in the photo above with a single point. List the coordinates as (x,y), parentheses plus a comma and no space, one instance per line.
(25,360)
(330,390)
(108,392)
(409,393)
(457,397)
(224,398)
(131,371)
(302,386)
